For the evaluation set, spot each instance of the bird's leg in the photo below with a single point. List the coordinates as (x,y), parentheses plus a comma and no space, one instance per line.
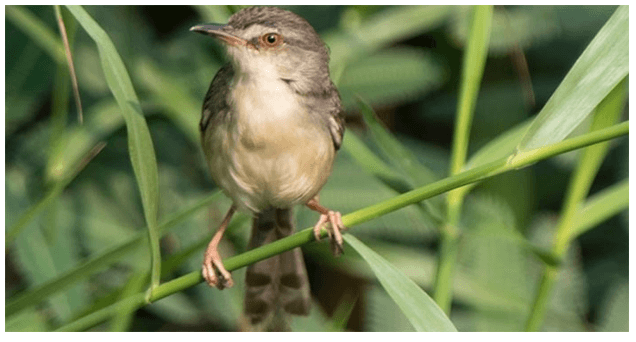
(212,258)
(334,228)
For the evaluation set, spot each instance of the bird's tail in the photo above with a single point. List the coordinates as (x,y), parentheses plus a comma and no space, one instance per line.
(278,284)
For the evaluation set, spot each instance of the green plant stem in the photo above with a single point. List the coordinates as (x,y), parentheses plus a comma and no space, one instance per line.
(522,159)
(447,259)
(472,72)
(607,113)
(540,304)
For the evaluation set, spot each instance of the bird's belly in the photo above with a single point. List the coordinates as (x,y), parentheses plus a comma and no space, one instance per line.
(272,155)
(282,171)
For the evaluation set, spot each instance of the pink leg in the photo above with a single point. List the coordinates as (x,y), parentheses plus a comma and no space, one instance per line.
(334,218)
(212,258)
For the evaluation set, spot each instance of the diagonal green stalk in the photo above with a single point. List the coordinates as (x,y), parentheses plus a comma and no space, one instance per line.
(607,113)
(491,169)
(472,71)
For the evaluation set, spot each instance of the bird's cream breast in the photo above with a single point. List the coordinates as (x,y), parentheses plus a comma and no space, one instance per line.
(276,156)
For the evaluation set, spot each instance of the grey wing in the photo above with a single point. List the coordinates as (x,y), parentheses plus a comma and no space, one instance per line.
(215,101)
(336,119)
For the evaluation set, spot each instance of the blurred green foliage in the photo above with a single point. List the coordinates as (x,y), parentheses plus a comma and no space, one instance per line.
(406,63)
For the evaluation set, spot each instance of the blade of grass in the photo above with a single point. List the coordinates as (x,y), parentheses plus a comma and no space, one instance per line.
(423,313)
(473,65)
(608,112)
(603,64)
(140,146)
(363,215)
(35,29)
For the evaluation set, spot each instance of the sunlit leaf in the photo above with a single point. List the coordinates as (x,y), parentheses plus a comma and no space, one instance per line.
(603,64)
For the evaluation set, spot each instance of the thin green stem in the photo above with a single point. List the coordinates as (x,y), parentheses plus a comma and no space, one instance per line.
(447,261)
(540,305)
(472,72)
(363,215)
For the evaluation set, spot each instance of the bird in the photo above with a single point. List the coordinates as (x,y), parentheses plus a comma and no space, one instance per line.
(271,124)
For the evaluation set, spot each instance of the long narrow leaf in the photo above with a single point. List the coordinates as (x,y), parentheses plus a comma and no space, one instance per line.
(417,306)
(603,64)
(140,147)
(600,207)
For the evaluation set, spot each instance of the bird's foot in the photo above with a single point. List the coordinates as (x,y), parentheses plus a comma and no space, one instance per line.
(334,228)
(211,265)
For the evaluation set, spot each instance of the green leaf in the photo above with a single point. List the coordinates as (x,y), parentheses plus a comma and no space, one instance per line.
(380,29)
(98,262)
(391,76)
(419,308)
(603,64)
(179,106)
(140,147)
(35,29)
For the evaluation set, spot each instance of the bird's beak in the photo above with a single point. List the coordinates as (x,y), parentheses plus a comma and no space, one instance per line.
(217,31)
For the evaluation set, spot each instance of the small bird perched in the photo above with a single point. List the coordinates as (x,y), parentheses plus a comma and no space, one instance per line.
(271,125)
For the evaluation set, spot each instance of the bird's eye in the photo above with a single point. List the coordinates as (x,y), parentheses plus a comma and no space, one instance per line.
(271,39)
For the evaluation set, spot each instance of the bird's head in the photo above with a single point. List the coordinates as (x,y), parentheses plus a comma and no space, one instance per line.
(271,42)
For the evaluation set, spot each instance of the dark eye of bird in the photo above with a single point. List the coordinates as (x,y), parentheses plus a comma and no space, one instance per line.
(271,39)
